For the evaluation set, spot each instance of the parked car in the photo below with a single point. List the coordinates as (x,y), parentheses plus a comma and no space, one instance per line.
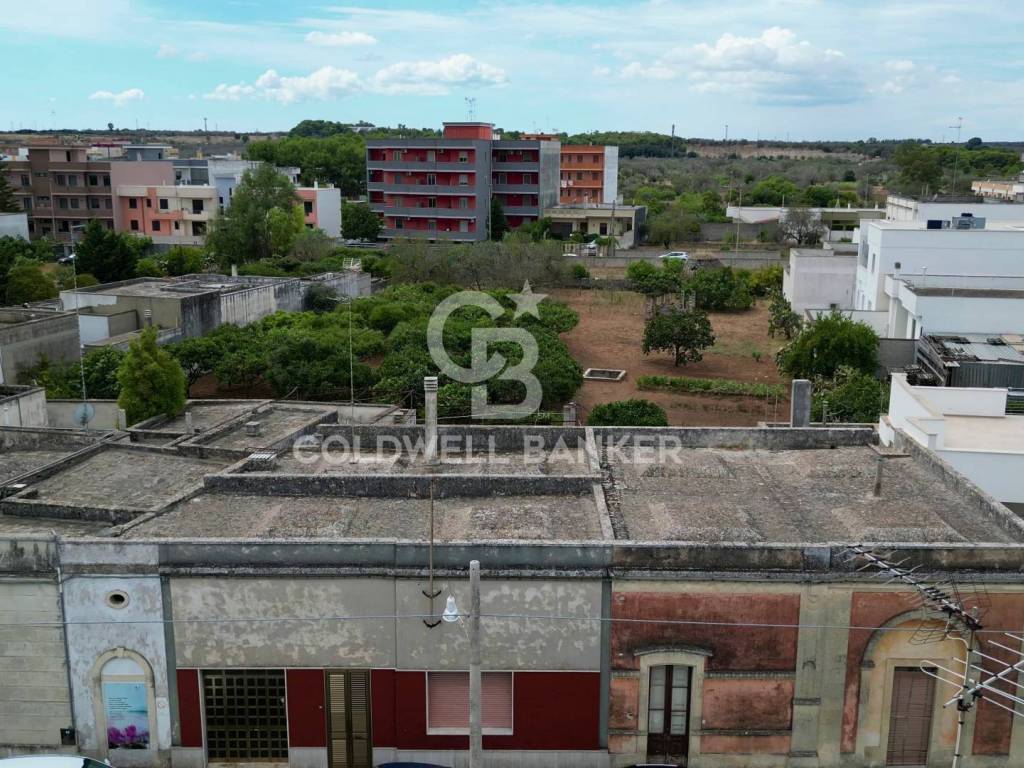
(52,761)
(589,249)
(66,259)
(680,255)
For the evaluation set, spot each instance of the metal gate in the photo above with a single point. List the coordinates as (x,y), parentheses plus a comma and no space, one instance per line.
(245,715)
(910,717)
(348,719)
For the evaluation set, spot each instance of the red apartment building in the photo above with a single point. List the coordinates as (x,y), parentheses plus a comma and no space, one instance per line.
(589,173)
(441,189)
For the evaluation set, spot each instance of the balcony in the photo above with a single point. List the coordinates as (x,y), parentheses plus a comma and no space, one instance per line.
(521,210)
(465,190)
(418,165)
(427,234)
(424,213)
(516,189)
(521,165)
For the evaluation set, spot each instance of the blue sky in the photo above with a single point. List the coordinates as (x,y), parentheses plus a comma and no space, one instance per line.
(808,69)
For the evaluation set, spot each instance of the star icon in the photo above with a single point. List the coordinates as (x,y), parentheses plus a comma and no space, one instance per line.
(526,301)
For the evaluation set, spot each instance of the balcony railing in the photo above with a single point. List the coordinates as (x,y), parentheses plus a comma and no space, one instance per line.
(516,189)
(465,190)
(523,165)
(423,212)
(521,210)
(418,165)
(430,234)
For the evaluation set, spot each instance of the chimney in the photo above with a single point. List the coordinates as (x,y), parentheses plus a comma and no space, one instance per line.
(253,428)
(188,423)
(430,413)
(234,270)
(800,404)
(569,415)
(122,419)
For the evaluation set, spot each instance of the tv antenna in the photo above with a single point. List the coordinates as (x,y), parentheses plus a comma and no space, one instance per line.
(996,683)
(956,155)
(470,108)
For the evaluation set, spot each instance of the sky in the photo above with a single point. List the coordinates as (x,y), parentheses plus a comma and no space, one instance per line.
(802,69)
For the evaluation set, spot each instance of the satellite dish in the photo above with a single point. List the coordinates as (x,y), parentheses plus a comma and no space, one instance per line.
(84,413)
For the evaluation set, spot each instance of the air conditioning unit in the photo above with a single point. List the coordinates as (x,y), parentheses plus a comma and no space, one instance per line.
(967,222)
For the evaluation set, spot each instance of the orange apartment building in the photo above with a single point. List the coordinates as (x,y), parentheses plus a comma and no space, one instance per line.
(588,173)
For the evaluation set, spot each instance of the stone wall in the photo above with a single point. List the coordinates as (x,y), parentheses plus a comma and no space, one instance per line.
(28,335)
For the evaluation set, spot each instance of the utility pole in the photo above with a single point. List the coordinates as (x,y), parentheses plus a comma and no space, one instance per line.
(726,133)
(476,743)
(956,156)
(204,126)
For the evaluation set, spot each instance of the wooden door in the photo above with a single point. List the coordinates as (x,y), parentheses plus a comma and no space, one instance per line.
(348,719)
(668,713)
(910,717)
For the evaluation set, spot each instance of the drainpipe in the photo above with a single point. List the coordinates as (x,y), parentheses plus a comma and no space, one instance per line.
(430,412)
(64,632)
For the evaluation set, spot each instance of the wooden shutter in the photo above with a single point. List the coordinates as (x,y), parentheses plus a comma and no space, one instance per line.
(910,717)
(348,708)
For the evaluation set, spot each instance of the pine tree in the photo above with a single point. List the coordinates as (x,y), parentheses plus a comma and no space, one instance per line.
(152,381)
(8,202)
(498,224)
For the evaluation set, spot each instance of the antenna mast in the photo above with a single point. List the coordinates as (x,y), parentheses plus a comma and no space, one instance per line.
(470,108)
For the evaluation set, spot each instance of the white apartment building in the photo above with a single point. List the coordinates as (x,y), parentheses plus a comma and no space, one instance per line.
(820,278)
(908,208)
(962,304)
(910,247)
(968,428)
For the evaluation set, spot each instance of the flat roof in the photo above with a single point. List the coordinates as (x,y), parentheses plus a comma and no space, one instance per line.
(455,519)
(922,224)
(984,433)
(816,495)
(153,289)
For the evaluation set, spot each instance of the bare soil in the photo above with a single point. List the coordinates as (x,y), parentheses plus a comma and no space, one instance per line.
(609,335)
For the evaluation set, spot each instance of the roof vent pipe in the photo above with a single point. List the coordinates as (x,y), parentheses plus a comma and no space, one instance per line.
(430,415)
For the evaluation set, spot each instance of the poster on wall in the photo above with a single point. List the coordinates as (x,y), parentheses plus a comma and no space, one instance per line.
(127,715)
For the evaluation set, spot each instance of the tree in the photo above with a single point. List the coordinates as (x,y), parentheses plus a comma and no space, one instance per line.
(243,232)
(14,250)
(498,224)
(850,397)
(685,334)
(920,167)
(320,298)
(283,226)
(974,142)
(27,282)
(64,382)
(197,356)
(108,255)
(830,342)
(781,317)
(673,225)
(819,196)
(358,222)
(772,190)
(651,280)
(723,289)
(149,267)
(801,226)
(151,380)
(8,202)
(311,245)
(184,260)
(627,413)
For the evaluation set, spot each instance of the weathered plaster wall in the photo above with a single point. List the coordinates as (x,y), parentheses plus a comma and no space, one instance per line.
(34,701)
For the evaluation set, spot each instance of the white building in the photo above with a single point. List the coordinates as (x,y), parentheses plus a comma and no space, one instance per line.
(910,247)
(820,278)
(907,208)
(962,304)
(968,428)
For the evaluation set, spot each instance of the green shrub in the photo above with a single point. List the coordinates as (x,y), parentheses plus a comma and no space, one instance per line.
(580,272)
(627,413)
(710,386)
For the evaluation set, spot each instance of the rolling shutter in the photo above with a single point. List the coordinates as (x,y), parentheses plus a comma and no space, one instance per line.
(448,700)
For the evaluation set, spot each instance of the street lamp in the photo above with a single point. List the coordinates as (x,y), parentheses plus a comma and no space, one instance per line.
(73,257)
(451,615)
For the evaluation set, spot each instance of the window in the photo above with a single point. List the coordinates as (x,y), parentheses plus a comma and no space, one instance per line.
(307,207)
(463,202)
(197,206)
(463,226)
(42,175)
(94,203)
(595,176)
(527,178)
(163,204)
(431,156)
(177,226)
(431,202)
(156,226)
(245,714)
(107,203)
(67,156)
(579,175)
(432,225)
(597,159)
(43,201)
(668,711)
(396,155)
(94,180)
(149,203)
(463,179)
(399,223)
(25,180)
(106,180)
(26,205)
(603,228)
(199,228)
(135,225)
(579,158)
(62,202)
(72,180)
(448,702)
(463,157)
(62,226)
(502,178)
(431,179)
(133,203)
(61,179)
(74,202)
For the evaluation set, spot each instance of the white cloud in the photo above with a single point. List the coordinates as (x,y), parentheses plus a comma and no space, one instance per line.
(601,71)
(339,39)
(899,65)
(433,78)
(323,84)
(891,86)
(774,67)
(121,98)
(166,51)
(655,71)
